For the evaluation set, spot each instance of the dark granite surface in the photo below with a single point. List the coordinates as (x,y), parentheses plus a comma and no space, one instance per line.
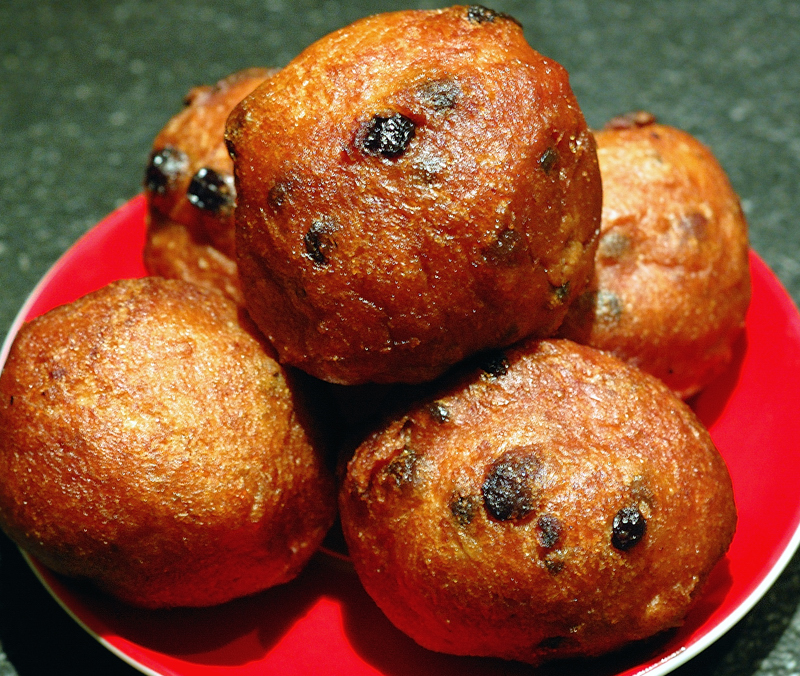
(86,84)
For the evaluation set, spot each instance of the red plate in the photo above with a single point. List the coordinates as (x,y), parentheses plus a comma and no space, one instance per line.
(323,622)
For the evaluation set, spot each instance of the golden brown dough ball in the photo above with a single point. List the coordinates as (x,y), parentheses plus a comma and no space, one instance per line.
(556,503)
(150,443)
(412,189)
(190,189)
(672,280)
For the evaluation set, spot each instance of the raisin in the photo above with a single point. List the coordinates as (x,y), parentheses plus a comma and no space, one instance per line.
(694,225)
(463,508)
(613,245)
(607,306)
(230,148)
(389,135)
(509,247)
(495,364)
(211,191)
(549,530)
(278,194)
(548,160)
(439,412)
(479,14)
(164,168)
(554,563)
(402,469)
(509,487)
(560,294)
(628,528)
(551,642)
(319,241)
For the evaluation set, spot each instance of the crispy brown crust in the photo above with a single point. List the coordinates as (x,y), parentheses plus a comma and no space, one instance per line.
(171,252)
(481,521)
(364,265)
(150,443)
(183,240)
(672,274)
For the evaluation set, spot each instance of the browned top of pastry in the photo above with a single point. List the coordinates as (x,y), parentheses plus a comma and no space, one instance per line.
(413,188)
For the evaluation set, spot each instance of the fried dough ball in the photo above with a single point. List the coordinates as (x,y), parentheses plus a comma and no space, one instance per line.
(150,443)
(190,189)
(672,282)
(412,189)
(558,503)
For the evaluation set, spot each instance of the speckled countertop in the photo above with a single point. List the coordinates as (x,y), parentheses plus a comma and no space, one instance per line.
(86,84)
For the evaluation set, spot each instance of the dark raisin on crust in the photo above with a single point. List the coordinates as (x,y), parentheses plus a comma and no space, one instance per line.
(463,508)
(628,528)
(509,247)
(607,306)
(479,14)
(494,364)
(438,412)
(560,293)
(613,245)
(548,160)
(509,490)
(402,470)
(554,563)
(389,135)
(163,169)
(694,225)
(211,191)
(549,530)
(319,241)
(278,194)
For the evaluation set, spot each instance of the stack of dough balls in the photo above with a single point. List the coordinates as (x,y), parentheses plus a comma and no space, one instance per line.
(414,201)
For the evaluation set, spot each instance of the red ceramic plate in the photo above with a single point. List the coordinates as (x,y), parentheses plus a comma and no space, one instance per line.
(323,622)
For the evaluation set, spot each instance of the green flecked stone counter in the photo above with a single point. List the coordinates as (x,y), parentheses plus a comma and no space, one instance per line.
(86,84)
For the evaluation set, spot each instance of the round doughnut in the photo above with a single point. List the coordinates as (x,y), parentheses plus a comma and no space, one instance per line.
(555,503)
(414,188)
(190,189)
(149,442)
(672,282)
